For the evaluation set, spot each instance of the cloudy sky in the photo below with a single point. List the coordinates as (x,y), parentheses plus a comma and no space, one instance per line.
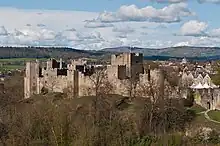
(96,24)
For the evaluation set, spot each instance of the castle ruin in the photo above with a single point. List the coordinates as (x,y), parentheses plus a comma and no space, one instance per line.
(125,73)
(77,75)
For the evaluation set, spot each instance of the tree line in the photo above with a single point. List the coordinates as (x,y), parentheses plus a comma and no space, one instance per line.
(46,52)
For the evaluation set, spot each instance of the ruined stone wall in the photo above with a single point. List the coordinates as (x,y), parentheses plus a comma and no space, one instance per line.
(30,79)
(54,83)
(144,82)
(122,87)
(50,72)
(82,85)
(86,85)
(112,72)
(122,66)
(121,72)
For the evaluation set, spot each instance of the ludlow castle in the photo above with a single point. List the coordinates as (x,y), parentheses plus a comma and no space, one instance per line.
(81,79)
(124,76)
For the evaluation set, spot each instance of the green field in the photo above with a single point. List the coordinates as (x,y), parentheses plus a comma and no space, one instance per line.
(21,59)
(214,115)
(6,68)
(197,108)
(15,63)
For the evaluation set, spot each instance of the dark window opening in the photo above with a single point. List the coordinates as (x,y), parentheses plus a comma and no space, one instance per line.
(62,72)
(208,105)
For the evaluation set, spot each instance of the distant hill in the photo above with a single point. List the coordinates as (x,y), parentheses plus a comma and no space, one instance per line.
(184,51)
(46,52)
(193,53)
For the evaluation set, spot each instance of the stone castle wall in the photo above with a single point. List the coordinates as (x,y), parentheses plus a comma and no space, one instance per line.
(56,78)
(30,79)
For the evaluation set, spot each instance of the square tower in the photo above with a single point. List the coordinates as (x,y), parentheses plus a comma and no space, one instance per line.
(132,61)
(31,84)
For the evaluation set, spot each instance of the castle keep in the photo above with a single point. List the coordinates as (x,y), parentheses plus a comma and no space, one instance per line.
(76,77)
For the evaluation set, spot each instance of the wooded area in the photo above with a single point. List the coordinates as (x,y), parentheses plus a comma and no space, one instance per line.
(46,52)
(56,119)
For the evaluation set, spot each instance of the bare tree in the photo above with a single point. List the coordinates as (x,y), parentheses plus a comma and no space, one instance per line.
(69,91)
(131,85)
(51,83)
(100,83)
(150,90)
(161,114)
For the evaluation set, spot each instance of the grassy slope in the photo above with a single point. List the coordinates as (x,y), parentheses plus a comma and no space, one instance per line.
(201,121)
(215,115)
(197,108)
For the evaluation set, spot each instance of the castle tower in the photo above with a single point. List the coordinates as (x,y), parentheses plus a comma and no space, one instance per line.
(31,79)
(136,66)
(132,61)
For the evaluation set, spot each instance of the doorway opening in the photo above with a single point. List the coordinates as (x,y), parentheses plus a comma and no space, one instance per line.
(209,105)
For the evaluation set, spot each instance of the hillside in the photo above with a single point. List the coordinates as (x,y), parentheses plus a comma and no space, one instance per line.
(183,51)
(192,53)
(46,52)
(55,119)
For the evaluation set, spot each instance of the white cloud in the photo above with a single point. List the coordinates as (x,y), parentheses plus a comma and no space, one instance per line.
(47,34)
(51,18)
(19,33)
(194,28)
(97,25)
(214,33)
(41,25)
(70,29)
(28,25)
(3,31)
(144,27)
(169,14)
(122,35)
(123,29)
(67,28)
(161,26)
(200,42)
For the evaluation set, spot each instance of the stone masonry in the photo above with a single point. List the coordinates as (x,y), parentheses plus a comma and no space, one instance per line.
(58,76)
